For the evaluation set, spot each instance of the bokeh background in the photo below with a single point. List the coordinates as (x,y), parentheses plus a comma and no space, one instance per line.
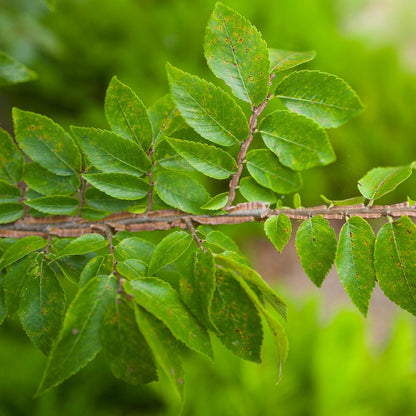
(339,362)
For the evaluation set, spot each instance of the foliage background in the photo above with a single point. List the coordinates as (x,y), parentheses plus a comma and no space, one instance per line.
(78,48)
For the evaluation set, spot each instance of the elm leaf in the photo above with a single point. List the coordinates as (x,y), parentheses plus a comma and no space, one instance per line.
(11,160)
(278,230)
(281,60)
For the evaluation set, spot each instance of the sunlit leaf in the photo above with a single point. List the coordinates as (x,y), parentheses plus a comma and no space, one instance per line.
(281,60)
(278,230)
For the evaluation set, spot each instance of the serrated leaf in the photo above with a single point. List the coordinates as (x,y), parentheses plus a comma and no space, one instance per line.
(168,250)
(46,143)
(125,348)
(158,298)
(119,185)
(181,191)
(278,230)
(13,72)
(21,248)
(10,212)
(165,156)
(237,54)
(132,269)
(101,201)
(134,248)
(266,169)
(78,341)
(127,115)
(112,153)
(225,243)
(55,205)
(298,141)
(9,192)
(342,202)
(280,60)
(316,245)
(87,243)
(209,160)
(354,261)
(323,97)
(41,306)
(380,181)
(206,108)
(217,202)
(11,161)
(97,266)
(252,191)
(394,262)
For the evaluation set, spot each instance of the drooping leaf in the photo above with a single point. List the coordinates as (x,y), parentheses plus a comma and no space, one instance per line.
(323,97)
(165,156)
(217,202)
(380,181)
(210,111)
(298,141)
(168,250)
(125,348)
(11,161)
(278,230)
(181,191)
(252,191)
(316,245)
(119,185)
(46,143)
(354,261)
(112,153)
(97,266)
(236,53)
(78,341)
(394,262)
(134,248)
(127,115)
(13,72)
(55,205)
(82,245)
(281,60)
(266,169)
(9,192)
(158,298)
(10,212)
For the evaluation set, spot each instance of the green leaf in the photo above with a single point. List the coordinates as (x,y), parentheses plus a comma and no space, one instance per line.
(132,269)
(323,97)
(217,202)
(11,161)
(209,160)
(9,192)
(97,266)
(252,191)
(168,250)
(158,298)
(13,72)
(394,262)
(134,248)
(166,349)
(266,169)
(55,205)
(210,111)
(21,248)
(3,313)
(380,181)
(127,115)
(278,230)
(280,60)
(165,156)
(222,240)
(119,185)
(125,348)
(10,212)
(316,245)
(78,341)
(112,153)
(42,306)
(101,201)
(298,141)
(354,261)
(46,143)
(181,191)
(342,202)
(236,53)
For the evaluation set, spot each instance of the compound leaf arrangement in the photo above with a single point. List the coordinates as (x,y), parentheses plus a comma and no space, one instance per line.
(74,205)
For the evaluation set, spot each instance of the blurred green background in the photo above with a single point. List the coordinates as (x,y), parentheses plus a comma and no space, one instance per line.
(332,367)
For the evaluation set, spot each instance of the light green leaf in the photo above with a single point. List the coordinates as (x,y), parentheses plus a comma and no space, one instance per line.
(280,60)
(127,115)
(394,262)
(165,156)
(10,212)
(158,298)
(119,185)
(266,169)
(236,53)
(323,97)
(217,202)
(78,341)
(380,181)
(252,191)
(168,250)
(46,143)
(278,230)
(87,243)
(11,161)
(125,348)
(225,243)
(181,191)
(298,141)
(209,160)
(97,266)
(206,108)
(316,245)
(342,202)
(354,261)
(134,248)
(112,153)
(9,192)
(13,72)
(55,205)
(132,269)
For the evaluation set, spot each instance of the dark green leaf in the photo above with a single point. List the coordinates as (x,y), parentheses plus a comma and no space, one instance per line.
(11,161)
(10,212)
(134,248)
(55,205)
(9,192)
(13,72)
(252,191)
(278,230)
(101,201)
(217,202)
(97,266)
(166,157)
(3,313)
(281,60)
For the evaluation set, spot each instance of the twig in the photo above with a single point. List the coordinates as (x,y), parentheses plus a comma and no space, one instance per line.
(188,222)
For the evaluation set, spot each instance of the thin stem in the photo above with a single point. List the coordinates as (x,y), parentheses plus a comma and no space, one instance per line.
(82,192)
(191,228)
